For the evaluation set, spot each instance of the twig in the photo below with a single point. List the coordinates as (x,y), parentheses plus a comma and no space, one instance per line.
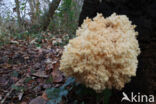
(7,95)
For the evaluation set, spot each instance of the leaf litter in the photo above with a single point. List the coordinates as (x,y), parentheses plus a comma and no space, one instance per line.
(27,70)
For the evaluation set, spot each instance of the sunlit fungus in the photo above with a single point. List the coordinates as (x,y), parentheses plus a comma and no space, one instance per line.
(104,53)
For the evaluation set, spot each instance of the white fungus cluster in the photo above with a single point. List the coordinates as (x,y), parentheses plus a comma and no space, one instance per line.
(104,53)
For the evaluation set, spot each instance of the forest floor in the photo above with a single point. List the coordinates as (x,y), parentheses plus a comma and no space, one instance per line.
(27,70)
(29,74)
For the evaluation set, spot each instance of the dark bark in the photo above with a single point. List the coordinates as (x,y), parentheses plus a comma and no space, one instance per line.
(48,16)
(89,9)
(143,14)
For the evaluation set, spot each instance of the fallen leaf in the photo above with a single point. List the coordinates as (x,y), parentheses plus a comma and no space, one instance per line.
(33,41)
(48,61)
(23,103)
(41,74)
(44,96)
(38,100)
(57,76)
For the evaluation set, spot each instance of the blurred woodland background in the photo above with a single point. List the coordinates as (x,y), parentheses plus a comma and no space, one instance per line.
(22,19)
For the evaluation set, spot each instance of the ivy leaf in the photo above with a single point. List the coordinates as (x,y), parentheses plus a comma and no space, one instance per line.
(28,79)
(68,81)
(56,94)
(14,74)
(54,101)
(53,93)
(17,88)
(64,93)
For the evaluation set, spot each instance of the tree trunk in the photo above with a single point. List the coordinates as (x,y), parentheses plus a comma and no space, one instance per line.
(37,14)
(32,11)
(18,13)
(143,14)
(48,16)
(89,9)
(35,11)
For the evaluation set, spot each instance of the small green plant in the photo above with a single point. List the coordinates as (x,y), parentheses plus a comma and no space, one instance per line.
(14,74)
(18,88)
(55,94)
(28,79)
(49,80)
(82,91)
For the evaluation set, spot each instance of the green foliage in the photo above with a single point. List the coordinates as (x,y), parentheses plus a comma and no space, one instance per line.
(56,94)
(28,79)
(17,88)
(65,18)
(14,74)
(83,91)
(64,21)
(49,80)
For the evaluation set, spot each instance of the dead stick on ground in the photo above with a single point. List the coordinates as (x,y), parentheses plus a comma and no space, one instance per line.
(7,95)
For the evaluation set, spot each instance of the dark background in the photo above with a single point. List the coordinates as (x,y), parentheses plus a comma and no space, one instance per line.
(143,14)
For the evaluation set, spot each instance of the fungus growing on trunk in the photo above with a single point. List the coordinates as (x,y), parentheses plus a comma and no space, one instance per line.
(104,53)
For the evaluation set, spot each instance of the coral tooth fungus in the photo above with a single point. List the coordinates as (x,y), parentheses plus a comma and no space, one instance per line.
(104,53)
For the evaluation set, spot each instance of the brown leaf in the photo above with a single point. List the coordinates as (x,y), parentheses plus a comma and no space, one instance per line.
(57,76)
(38,100)
(23,103)
(41,74)
(44,96)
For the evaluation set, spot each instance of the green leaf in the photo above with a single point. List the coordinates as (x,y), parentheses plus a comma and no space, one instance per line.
(14,74)
(54,101)
(56,94)
(17,88)
(49,80)
(64,93)
(23,4)
(53,93)
(22,8)
(27,79)
(68,81)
